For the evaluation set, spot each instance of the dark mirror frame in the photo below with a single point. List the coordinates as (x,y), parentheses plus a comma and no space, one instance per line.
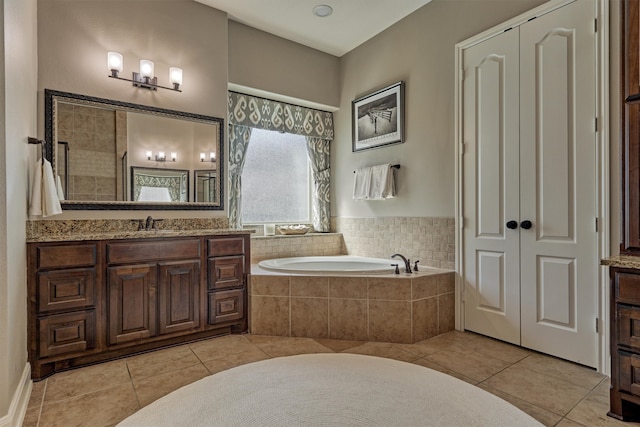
(50,96)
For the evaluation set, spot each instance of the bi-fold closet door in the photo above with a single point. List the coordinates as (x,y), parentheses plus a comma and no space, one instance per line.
(529,185)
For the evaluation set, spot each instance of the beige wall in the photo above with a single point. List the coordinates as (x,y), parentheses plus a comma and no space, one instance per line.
(18,79)
(73,40)
(269,63)
(420,51)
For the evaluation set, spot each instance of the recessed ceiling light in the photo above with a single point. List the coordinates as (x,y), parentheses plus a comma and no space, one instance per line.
(322,10)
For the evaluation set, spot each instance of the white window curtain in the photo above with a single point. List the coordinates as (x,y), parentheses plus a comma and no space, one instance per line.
(246,112)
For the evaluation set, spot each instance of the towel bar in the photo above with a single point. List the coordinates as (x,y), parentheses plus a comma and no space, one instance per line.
(393,166)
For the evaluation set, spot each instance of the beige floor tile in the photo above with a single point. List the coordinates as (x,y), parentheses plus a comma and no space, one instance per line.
(37,393)
(592,410)
(547,418)
(568,423)
(31,417)
(381,349)
(161,361)
(471,364)
(540,389)
(250,356)
(561,369)
(498,349)
(286,346)
(95,409)
(153,388)
(427,364)
(338,345)
(218,365)
(64,385)
(221,347)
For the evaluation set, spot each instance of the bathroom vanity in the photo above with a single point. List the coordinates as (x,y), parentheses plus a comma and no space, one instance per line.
(118,294)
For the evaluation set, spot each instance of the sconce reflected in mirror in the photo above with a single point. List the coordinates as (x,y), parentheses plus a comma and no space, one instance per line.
(212,157)
(145,78)
(161,156)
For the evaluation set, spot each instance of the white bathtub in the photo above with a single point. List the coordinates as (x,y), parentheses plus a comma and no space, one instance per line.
(343,264)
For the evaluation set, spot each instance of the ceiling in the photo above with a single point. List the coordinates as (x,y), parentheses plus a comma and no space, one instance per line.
(352,23)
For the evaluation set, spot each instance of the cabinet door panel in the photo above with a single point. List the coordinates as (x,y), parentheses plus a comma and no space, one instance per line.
(179,296)
(66,289)
(225,306)
(67,333)
(226,272)
(132,303)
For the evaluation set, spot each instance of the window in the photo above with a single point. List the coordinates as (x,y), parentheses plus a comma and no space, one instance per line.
(275,179)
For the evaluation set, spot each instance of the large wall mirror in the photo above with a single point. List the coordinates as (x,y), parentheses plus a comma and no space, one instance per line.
(117,155)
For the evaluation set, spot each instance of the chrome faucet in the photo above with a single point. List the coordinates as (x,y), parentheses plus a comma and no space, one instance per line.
(407,263)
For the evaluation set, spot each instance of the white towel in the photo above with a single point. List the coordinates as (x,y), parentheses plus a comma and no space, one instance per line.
(154,194)
(59,189)
(44,192)
(374,183)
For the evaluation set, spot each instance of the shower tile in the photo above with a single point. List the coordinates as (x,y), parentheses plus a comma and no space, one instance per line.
(64,385)
(425,319)
(270,316)
(306,286)
(347,287)
(390,321)
(270,285)
(424,287)
(310,317)
(98,408)
(153,388)
(389,289)
(348,319)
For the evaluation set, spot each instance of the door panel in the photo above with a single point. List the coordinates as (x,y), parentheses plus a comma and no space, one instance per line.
(178,296)
(491,132)
(558,183)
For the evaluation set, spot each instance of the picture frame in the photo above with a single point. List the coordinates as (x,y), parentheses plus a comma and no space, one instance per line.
(378,118)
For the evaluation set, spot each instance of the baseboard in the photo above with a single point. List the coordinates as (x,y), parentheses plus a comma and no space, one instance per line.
(20,400)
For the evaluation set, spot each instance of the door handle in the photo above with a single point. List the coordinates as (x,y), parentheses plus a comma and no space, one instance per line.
(512,225)
(526,224)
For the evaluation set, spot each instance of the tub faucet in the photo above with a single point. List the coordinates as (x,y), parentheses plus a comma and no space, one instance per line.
(407,263)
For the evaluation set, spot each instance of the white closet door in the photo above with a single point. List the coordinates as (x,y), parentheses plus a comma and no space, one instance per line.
(558,183)
(491,188)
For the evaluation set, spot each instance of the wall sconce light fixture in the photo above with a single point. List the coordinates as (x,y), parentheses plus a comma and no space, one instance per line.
(161,156)
(145,78)
(212,157)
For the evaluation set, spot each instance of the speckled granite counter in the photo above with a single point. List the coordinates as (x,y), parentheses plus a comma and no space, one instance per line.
(622,261)
(77,230)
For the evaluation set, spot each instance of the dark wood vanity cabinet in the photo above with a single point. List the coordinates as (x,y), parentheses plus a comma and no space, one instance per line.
(99,300)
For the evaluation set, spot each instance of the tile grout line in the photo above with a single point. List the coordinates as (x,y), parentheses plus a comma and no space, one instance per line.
(44,393)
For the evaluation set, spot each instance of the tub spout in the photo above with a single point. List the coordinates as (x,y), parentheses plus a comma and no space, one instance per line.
(407,263)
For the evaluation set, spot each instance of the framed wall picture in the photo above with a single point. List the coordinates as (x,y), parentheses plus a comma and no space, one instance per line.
(378,118)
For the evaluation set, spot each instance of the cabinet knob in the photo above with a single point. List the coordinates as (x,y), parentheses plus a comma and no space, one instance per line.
(512,225)
(526,224)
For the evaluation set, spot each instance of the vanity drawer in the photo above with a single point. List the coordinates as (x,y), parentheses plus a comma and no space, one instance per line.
(225,306)
(130,252)
(66,289)
(226,272)
(627,287)
(67,333)
(226,246)
(65,256)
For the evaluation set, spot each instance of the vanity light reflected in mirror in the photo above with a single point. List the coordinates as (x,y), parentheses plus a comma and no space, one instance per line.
(212,157)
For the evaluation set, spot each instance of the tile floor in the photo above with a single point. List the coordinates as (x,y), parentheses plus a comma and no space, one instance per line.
(556,392)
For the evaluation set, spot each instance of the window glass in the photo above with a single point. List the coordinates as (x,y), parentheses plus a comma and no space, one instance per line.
(275,179)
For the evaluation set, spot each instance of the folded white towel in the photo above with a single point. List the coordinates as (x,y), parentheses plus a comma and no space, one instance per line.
(374,183)
(44,192)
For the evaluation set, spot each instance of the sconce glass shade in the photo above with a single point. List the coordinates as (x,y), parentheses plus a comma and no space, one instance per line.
(115,63)
(202,157)
(146,68)
(175,75)
(174,156)
(161,155)
(149,155)
(212,156)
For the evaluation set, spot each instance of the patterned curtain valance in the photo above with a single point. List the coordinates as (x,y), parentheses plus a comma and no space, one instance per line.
(261,113)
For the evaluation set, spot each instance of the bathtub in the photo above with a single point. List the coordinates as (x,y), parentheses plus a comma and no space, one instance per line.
(342,264)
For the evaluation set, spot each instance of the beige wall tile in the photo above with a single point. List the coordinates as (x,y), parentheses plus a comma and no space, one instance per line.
(446,283)
(348,319)
(348,287)
(390,321)
(424,287)
(270,285)
(390,289)
(310,317)
(425,319)
(308,286)
(270,316)
(446,313)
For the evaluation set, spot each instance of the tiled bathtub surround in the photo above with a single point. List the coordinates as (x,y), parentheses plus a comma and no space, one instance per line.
(385,308)
(316,244)
(36,228)
(430,240)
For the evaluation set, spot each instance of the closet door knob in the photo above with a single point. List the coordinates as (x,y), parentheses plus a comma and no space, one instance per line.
(512,225)
(526,224)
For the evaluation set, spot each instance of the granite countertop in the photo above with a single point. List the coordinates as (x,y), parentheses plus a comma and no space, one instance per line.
(622,261)
(112,235)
